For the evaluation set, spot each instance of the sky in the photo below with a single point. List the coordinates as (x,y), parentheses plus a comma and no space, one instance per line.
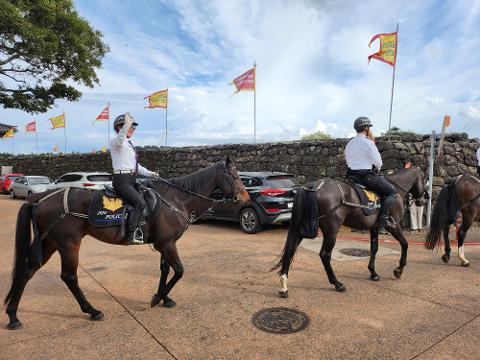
(312,71)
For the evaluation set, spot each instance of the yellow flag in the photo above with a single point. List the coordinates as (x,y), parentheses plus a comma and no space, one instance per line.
(388,48)
(158,99)
(58,121)
(8,134)
(55,149)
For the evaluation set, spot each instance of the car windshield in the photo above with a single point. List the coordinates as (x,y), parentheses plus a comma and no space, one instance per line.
(13,178)
(39,180)
(282,181)
(98,178)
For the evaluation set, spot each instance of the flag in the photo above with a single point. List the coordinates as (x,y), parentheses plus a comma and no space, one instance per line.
(446,121)
(158,99)
(8,134)
(388,48)
(58,121)
(56,149)
(245,82)
(104,149)
(104,115)
(31,127)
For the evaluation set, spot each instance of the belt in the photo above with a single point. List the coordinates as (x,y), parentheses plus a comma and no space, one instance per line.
(122,172)
(360,172)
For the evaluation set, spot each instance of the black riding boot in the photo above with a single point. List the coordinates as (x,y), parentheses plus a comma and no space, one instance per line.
(134,232)
(385,219)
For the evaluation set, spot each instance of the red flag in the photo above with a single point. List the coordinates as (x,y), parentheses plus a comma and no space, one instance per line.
(31,127)
(246,81)
(105,114)
(388,48)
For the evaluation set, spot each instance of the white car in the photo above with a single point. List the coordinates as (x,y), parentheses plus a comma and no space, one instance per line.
(24,186)
(84,180)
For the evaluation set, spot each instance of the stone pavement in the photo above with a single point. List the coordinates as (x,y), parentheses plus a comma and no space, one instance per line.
(432,312)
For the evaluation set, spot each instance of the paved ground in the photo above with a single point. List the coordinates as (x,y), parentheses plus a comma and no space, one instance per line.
(431,313)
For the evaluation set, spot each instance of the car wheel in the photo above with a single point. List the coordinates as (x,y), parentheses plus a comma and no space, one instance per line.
(249,221)
(12,194)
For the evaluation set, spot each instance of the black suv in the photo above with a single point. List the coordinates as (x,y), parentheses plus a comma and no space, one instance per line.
(271,201)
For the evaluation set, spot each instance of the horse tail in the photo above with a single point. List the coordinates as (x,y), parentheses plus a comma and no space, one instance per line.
(303,223)
(444,214)
(22,249)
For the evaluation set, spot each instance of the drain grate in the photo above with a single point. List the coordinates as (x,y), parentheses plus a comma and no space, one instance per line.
(355,252)
(280,320)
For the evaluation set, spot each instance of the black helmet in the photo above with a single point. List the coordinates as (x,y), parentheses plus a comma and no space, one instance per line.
(360,123)
(120,120)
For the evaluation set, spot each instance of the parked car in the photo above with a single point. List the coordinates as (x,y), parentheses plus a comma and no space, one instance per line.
(85,180)
(271,201)
(6,181)
(24,186)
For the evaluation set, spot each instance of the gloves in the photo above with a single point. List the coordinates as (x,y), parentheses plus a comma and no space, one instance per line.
(128,120)
(154,175)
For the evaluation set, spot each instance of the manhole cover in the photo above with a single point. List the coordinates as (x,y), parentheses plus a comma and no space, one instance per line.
(280,320)
(355,252)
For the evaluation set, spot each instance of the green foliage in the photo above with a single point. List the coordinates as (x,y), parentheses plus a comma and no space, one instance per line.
(45,46)
(316,136)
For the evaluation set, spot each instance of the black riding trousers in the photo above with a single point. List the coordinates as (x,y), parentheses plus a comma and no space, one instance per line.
(124,185)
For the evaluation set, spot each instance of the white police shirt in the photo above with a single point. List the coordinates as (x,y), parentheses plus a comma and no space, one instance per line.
(478,156)
(361,153)
(124,156)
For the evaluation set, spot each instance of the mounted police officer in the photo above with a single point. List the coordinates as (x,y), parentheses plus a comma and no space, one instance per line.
(125,169)
(364,162)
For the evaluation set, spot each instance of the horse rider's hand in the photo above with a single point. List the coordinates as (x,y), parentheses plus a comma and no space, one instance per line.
(370,135)
(128,120)
(155,175)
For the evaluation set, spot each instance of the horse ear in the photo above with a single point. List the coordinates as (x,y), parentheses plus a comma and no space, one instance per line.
(228,162)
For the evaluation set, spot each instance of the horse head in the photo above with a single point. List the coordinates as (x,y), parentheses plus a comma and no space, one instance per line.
(231,184)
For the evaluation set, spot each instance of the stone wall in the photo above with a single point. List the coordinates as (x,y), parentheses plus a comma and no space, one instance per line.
(306,160)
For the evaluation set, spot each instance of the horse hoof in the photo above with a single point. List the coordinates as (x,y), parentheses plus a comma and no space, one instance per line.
(445,258)
(155,300)
(465,264)
(14,325)
(397,273)
(283,294)
(374,277)
(340,287)
(96,316)
(169,303)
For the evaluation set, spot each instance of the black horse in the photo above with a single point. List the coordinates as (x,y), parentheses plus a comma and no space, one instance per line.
(332,205)
(179,200)
(460,195)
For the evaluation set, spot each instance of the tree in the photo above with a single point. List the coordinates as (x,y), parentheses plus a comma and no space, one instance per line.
(45,47)
(316,136)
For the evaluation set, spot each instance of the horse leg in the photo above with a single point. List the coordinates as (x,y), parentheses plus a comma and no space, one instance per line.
(18,288)
(329,238)
(373,251)
(170,254)
(164,271)
(462,233)
(446,256)
(69,258)
(398,234)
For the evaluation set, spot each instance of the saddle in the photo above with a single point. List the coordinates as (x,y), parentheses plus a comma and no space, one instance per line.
(108,209)
(369,201)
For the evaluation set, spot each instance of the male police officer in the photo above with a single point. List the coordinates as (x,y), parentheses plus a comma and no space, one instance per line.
(363,161)
(125,169)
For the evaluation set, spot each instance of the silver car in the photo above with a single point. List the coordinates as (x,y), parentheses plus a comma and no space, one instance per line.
(84,180)
(25,186)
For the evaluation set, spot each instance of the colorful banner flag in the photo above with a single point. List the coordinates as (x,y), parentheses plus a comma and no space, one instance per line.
(245,82)
(31,126)
(158,99)
(58,121)
(56,149)
(388,48)
(104,115)
(8,134)
(446,121)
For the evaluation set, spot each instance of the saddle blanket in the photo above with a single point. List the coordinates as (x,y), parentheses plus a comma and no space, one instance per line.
(369,200)
(105,211)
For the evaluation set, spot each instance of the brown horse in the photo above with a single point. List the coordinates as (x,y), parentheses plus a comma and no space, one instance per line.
(180,200)
(332,204)
(460,195)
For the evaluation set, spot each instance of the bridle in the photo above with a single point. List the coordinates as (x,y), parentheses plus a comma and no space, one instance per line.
(422,196)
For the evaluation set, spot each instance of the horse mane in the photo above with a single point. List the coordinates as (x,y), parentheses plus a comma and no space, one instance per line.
(196,181)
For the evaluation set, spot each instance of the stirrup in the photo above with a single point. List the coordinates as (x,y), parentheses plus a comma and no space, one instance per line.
(137,238)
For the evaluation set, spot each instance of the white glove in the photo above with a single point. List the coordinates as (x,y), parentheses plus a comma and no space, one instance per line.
(154,174)
(128,120)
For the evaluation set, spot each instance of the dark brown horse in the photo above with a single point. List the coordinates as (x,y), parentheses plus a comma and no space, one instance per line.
(462,194)
(332,205)
(179,200)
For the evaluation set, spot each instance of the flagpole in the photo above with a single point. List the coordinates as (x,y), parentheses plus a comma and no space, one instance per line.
(393,84)
(13,142)
(65,131)
(255,103)
(166,122)
(108,127)
(36,137)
